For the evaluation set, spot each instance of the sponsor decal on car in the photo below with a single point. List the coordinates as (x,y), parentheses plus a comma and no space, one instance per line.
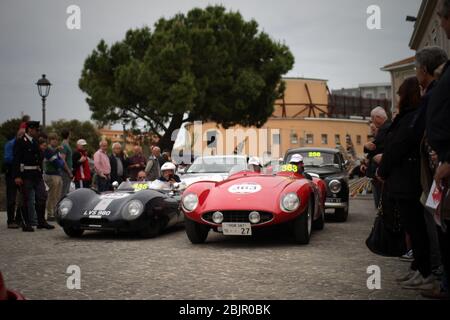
(246,188)
(114,196)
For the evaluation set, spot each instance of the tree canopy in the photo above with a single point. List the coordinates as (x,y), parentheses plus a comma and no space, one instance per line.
(207,65)
(78,130)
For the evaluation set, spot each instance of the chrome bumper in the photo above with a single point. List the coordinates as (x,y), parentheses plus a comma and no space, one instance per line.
(332,205)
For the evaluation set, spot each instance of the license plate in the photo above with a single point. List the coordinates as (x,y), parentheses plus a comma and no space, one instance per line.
(237,229)
(333,200)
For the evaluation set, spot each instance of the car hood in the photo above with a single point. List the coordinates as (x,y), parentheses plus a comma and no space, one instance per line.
(191,178)
(325,173)
(248,193)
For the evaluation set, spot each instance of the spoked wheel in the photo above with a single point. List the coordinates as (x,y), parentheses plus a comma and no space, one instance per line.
(303,226)
(320,223)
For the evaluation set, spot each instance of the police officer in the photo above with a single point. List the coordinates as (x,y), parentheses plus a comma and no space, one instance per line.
(27,171)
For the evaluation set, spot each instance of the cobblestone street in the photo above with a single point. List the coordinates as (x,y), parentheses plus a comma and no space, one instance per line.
(333,266)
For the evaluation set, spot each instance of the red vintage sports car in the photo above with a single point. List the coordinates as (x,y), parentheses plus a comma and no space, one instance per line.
(249,201)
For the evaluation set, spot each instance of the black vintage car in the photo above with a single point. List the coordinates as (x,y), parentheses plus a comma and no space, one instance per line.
(330,166)
(133,207)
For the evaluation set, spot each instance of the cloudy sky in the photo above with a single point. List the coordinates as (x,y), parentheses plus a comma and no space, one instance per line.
(329,39)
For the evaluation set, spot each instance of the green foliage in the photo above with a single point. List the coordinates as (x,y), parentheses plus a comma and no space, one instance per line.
(207,65)
(78,130)
(9,128)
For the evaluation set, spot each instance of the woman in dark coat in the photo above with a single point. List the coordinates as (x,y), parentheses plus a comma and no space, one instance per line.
(400,170)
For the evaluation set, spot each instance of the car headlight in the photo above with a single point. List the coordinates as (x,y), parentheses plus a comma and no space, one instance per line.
(133,210)
(290,202)
(64,207)
(190,202)
(335,186)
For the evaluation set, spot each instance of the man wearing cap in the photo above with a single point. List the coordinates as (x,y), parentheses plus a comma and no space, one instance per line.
(27,171)
(297,160)
(80,162)
(168,177)
(254,165)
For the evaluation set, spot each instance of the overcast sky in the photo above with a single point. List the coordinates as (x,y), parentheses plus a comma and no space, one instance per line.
(328,38)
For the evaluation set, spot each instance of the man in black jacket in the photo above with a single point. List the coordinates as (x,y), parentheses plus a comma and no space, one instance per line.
(438,131)
(118,164)
(382,123)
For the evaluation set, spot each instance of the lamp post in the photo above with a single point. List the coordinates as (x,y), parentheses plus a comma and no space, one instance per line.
(44,89)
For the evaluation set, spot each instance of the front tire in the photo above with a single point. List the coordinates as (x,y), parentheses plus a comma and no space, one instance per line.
(303,226)
(73,232)
(152,229)
(319,224)
(196,232)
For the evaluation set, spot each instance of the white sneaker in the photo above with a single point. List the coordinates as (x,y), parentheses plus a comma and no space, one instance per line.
(416,275)
(406,277)
(420,283)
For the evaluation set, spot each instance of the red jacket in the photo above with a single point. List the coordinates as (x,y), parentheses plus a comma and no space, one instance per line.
(81,171)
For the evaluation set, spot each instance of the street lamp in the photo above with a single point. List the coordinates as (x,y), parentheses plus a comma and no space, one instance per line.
(44,89)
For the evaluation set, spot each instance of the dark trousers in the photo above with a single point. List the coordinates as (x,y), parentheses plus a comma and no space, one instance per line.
(34,201)
(11,196)
(413,220)
(376,191)
(102,184)
(82,184)
(444,242)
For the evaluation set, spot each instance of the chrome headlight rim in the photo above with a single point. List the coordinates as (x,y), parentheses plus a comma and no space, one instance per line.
(64,207)
(189,208)
(294,197)
(138,208)
(332,182)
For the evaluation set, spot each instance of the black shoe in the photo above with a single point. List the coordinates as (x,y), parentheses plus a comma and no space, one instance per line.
(13,226)
(46,226)
(27,229)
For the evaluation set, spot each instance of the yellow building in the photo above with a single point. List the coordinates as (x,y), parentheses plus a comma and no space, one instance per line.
(132,140)
(300,119)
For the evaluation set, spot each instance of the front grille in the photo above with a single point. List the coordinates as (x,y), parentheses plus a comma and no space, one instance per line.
(86,222)
(238,216)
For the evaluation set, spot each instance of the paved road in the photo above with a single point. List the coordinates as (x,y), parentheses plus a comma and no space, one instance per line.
(333,266)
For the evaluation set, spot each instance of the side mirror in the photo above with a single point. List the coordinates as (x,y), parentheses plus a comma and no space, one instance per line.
(115,185)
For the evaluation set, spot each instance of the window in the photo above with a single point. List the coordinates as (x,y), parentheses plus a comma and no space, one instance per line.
(294,137)
(358,140)
(212,139)
(337,139)
(324,139)
(309,139)
(383,96)
(369,96)
(276,139)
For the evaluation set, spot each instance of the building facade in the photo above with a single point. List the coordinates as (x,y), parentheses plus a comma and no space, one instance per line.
(300,119)
(427,30)
(381,91)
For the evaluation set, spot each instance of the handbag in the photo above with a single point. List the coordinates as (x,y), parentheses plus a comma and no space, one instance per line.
(387,237)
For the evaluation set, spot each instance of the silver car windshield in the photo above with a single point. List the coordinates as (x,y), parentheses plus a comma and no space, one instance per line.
(217,164)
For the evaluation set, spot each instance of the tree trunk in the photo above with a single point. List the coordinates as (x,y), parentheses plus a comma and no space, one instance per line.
(166,143)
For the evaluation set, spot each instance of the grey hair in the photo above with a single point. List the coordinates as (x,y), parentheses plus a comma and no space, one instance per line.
(116,144)
(431,58)
(380,112)
(444,9)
